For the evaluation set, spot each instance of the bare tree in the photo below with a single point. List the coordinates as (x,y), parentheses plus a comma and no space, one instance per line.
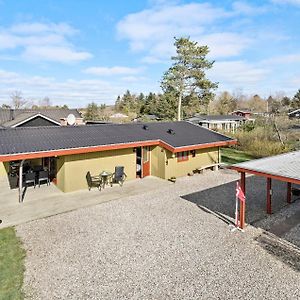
(45,102)
(17,99)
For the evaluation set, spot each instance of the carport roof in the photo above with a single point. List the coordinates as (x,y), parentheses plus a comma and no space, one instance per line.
(284,167)
(174,136)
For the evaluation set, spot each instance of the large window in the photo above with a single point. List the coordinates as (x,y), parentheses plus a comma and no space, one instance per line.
(183,156)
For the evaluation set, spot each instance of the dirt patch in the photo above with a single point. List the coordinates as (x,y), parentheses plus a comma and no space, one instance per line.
(282,250)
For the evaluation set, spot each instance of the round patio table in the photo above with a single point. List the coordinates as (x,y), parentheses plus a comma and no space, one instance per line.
(106,176)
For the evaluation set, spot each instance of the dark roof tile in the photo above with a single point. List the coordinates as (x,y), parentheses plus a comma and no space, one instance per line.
(10,117)
(37,139)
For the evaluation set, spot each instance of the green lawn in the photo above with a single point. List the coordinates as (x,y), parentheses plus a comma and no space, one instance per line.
(232,156)
(11,265)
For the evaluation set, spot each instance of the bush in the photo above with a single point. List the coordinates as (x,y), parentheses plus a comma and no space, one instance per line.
(260,142)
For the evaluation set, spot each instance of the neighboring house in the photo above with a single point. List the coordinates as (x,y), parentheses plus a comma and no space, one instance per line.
(294,114)
(228,123)
(37,117)
(242,113)
(147,118)
(162,149)
(95,122)
(118,116)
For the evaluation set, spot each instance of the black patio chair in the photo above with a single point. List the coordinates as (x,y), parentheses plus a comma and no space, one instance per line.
(29,178)
(37,168)
(43,176)
(93,181)
(118,176)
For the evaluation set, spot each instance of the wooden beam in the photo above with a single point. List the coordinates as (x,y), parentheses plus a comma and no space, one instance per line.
(21,181)
(269,195)
(289,192)
(276,177)
(243,204)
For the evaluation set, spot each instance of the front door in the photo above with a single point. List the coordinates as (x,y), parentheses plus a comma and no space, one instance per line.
(146,161)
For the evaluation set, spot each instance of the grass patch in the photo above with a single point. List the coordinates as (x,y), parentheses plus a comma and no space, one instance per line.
(11,265)
(233,156)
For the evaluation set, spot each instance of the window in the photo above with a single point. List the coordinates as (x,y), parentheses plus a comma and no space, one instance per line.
(183,156)
(146,152)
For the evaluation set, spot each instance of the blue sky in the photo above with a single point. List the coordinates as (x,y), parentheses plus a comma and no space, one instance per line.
(80,51)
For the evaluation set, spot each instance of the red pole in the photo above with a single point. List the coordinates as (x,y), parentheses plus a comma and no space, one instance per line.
(269,195)
(243,204)
(289,192)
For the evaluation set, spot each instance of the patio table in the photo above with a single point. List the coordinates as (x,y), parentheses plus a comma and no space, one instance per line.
(106,177)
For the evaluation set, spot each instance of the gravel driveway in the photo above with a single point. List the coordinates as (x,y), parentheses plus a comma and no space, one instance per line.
(152,246)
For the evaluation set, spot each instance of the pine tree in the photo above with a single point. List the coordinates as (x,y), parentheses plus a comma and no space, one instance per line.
(295,103)
(92,112)
(187,74)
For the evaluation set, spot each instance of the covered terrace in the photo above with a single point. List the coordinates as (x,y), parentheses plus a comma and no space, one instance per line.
(283,167)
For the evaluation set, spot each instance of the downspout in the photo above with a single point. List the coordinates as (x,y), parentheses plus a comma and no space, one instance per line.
(21,181)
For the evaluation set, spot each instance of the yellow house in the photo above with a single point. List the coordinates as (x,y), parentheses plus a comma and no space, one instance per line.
(162,149)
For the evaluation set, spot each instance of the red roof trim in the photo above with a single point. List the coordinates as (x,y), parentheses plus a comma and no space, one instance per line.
(203,146)
(276,177)
(63,152)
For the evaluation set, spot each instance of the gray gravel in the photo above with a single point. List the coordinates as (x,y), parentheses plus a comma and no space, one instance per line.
(293,235)
(153,246)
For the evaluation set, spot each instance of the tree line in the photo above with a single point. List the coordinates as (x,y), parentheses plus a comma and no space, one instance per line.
(165,105)
(187,91)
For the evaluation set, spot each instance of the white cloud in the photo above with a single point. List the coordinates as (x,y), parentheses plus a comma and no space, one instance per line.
(54,53)
(283,59)
(151,31)
(75,93)
(42,41)
(242,7)
(224,44)
(41,28)
(133,79)
(237,73)
(162,2)
(5,75)
(292,2)
(109,71)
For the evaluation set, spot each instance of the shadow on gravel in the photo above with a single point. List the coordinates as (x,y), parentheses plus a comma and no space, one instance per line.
(220,201)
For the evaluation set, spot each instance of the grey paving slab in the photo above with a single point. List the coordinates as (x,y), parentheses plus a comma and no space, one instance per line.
(49,200)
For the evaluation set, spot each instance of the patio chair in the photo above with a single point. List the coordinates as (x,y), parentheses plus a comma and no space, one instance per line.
(43,176)
(93,181)
(118,176)
(29,178)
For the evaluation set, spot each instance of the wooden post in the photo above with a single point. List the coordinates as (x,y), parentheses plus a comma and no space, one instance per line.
(21,181)
(243,204)
(289,192)
(269,195)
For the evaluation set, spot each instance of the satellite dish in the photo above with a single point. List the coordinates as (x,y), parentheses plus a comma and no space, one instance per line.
(71,119)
